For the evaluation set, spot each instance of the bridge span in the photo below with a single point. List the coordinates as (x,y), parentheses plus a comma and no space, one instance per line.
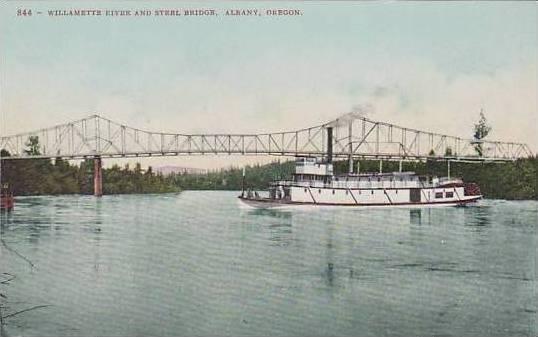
(355,137)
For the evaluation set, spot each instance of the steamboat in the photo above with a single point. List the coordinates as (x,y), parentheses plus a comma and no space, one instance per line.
(314,183)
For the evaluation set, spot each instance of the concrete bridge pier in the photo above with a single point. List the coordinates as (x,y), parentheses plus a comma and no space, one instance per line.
(97,176)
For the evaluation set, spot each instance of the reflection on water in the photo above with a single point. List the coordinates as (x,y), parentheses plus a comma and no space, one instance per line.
(330,255)
(415,216)
(277,223)
(478,216)
(196,264)
(270,212)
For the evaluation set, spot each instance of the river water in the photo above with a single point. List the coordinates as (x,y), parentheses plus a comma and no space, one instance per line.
(195,263)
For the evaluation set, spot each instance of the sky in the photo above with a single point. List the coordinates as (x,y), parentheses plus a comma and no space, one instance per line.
(430,66)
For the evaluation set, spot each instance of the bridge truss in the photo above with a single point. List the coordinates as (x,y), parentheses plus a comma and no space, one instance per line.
(355,137)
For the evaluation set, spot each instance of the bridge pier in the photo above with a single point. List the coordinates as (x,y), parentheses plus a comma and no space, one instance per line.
(97,176)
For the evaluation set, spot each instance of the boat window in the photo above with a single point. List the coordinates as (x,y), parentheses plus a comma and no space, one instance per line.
(319,190)
(372,191)
(396,191)
(449,194)
(305,190)
(333,191)
(347,192)
(438,195)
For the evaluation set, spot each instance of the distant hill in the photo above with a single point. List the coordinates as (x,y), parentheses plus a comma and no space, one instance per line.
(167,170)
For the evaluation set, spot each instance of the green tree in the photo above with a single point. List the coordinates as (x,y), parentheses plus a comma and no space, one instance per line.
(40,176)
(33,146)
(481,130)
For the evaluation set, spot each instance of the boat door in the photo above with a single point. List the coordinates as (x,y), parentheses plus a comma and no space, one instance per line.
(414,195)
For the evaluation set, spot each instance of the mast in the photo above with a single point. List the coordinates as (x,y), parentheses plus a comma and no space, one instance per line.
(329,145)
(350,157)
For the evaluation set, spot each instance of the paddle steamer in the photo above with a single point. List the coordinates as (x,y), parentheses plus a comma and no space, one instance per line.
(315,184)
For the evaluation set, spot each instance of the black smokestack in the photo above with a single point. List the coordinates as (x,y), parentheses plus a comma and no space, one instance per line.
(329,145)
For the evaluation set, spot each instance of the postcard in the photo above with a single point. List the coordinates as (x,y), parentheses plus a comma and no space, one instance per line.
(269,168)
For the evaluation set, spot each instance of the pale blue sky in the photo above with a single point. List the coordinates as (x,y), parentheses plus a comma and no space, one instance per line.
(429,65)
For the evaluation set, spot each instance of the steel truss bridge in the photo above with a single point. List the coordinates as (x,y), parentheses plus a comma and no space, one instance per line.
(354,137)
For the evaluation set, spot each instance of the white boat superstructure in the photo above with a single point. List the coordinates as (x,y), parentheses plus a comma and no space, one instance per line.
(314,183)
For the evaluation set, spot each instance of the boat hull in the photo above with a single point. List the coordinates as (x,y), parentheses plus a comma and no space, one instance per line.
(274,203)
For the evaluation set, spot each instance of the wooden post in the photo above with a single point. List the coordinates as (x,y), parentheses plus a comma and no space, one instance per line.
(97,177)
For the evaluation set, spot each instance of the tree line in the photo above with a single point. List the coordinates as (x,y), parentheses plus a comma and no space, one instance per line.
(58,176)
(511,180)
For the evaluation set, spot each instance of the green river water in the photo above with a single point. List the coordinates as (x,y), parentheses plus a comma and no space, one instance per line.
(195,263)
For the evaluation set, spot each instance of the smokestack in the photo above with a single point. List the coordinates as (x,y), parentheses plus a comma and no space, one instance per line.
(329,145)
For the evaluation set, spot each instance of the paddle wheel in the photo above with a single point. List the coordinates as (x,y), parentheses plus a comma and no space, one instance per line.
(472,189)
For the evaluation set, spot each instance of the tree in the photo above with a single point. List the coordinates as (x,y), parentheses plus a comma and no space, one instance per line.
(33,146)
(481,130)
